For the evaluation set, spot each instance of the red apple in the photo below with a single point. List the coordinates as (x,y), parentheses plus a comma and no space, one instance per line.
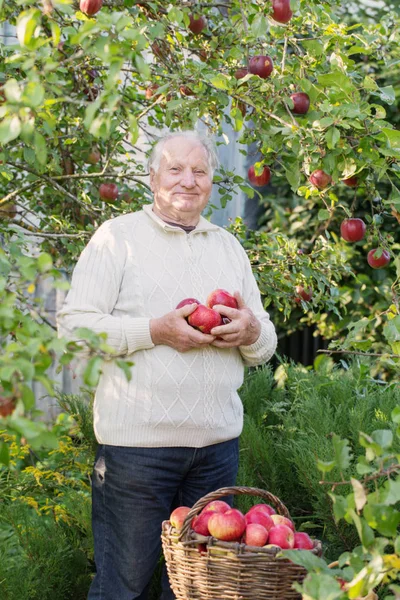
(200,522)
(240,72)
(108,191)
(353,230)
(255,535)
(351,181)
(217,506)
(186,91)
(282,536)
(260,518)
(281,520)
(197,24)
(261,65)
(263,508)
(281,11)
(223,297)
(303,541)
(204,318)
(187,301)
(8,211)
(228,526)
(151,91)
(178,516)
(377,262)
(320,179)
(301,103)
(161,49)
(94,156)
(90,7)
(259,180)
(303,294)
(7,406)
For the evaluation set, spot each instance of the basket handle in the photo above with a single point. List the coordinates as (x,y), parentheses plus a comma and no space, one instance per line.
(228,491)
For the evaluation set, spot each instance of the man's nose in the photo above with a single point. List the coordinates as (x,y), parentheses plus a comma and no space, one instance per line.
(187,178)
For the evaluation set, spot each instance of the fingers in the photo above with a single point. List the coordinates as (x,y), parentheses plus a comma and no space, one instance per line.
(202,340)
(187,310)
(226,311)
(223,330)
(240,300)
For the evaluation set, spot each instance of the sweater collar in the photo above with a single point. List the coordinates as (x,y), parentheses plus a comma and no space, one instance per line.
(202,226)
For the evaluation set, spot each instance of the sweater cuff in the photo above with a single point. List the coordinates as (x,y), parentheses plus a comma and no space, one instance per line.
(137,331)
(264,345)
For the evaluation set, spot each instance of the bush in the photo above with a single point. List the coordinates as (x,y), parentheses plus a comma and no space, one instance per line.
(290,417)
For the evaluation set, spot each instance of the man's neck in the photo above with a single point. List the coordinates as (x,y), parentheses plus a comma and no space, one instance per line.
(175,220)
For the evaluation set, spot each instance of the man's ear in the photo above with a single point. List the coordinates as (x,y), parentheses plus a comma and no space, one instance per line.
(152,175)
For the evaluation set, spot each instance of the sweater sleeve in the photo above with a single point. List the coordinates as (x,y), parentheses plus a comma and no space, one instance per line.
(262,349)
(94,290)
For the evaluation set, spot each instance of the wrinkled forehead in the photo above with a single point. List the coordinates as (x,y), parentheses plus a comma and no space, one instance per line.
(184,151)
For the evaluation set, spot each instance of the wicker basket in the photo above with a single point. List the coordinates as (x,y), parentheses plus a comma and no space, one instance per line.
(204,568)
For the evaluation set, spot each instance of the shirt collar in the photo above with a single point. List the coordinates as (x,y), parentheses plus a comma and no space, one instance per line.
(202,226)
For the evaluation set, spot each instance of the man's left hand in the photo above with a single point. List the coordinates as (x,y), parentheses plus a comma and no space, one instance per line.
(243,330)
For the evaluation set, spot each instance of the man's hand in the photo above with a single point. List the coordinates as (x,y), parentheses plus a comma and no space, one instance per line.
(243,330)
(173,330)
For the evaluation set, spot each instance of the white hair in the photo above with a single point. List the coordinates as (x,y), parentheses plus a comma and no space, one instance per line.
(190,134)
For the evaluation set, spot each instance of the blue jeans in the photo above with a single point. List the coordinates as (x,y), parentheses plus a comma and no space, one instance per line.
(133,491)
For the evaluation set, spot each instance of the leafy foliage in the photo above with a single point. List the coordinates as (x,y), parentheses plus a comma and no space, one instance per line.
(296,416)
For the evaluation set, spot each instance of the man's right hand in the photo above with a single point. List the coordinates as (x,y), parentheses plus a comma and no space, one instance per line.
(173,330)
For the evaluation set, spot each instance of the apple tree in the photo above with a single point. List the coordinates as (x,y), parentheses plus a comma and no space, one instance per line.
(85,89)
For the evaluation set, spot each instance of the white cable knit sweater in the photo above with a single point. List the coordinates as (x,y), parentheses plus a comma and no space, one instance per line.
(137,267)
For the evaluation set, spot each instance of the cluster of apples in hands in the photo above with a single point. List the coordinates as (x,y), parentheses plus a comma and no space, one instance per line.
(205,318)
(260,526)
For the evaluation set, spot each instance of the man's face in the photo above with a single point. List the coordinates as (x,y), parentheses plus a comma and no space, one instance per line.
(182,184)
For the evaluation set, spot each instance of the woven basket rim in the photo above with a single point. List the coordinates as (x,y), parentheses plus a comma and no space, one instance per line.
(229,491)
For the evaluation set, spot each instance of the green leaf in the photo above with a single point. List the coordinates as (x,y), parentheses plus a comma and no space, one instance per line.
(370,84)
(306,559)
(133,129)
(395,416)
(332,137)
(4,453)
(45,262)
(259,26)
(340,506)
(337,80)
(384,519)
(391,491)
(383,437)
(365,532)
(46,439)
(13,91)
(319,586)
(143,67)
(92,372)
(221,82)
(293,176)
(387,94)
(26,25)
(342,452)
(10,128)
(28,397)
(40,148)
(323,214)
(175,15)
(360,496)
(393,137)
(126,366)
(33,95)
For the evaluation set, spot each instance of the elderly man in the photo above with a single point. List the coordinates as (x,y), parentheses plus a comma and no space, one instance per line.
(170,434)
